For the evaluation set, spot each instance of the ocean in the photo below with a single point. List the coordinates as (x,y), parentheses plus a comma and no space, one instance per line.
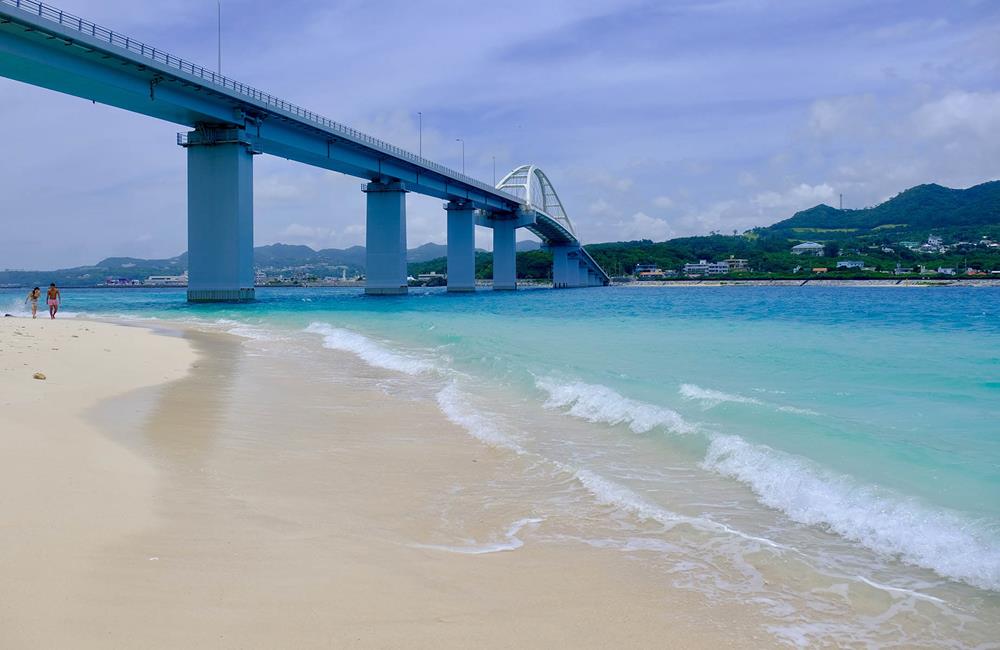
(831,455)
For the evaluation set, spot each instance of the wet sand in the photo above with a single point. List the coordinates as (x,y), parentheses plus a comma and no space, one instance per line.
(198,491)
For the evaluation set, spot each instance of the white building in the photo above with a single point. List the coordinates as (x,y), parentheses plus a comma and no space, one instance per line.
(737,264)
(167,280)
(704,267)
(807,248)
(850,264)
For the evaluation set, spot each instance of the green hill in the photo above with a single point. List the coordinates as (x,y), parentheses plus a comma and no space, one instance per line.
(919,210)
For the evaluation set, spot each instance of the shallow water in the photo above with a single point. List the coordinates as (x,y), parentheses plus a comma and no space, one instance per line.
(831,455)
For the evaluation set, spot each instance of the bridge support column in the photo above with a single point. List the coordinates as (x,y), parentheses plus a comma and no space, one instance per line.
(504,256)
(385,239)
(584,275)
(220,215)
(461,247)
(562,264)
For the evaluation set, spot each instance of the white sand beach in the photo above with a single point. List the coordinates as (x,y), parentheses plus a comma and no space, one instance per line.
(172,491)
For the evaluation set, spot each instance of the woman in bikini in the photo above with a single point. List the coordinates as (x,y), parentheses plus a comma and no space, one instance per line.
(33,297)
(53,300)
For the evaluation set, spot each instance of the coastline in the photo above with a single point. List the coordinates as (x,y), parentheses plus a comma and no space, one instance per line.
(817,282)
(707,282)
(191,492)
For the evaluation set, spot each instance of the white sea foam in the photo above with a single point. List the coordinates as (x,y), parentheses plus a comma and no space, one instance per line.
(369,351)
(934,538)
(937,539)
(597,403)
(510,542)
(899,590)
(615,494)
(455,406)
(245,331)
(710,397)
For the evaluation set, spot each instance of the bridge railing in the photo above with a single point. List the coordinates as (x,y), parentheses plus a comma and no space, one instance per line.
(115,39)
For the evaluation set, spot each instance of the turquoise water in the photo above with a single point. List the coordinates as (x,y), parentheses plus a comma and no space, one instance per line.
(868,417)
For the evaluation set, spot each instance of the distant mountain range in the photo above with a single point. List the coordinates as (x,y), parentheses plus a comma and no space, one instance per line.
(275,257)
(955,214)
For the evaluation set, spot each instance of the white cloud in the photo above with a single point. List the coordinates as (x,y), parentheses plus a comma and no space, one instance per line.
(978,113)
(796,198)
(663,202)
(643,226)
(312,236)
(602,208)
(842,113)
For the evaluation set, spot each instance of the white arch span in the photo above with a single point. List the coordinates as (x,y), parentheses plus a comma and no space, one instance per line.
(531,185)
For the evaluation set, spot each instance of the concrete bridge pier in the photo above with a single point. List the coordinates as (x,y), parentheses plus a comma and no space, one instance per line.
(461,246)
(562,264)
(584,275)
(220,215)
(385,239)
(504,256)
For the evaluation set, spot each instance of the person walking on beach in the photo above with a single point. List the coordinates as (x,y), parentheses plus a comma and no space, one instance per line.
(33,297)
(53,300)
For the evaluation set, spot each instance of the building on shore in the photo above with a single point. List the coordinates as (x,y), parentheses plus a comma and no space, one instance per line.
(850,264)
(737,265)
(704,267)
(808,248)
(652,272)
(167,280)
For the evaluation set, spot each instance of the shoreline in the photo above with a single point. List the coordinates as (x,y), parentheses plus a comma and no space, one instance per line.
(214,496)
(542,284)
(817,282)
(291,490)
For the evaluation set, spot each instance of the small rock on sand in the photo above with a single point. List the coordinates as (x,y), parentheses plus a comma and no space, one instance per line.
(38,375)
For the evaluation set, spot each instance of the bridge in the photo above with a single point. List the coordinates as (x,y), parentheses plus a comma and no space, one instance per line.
(232,122)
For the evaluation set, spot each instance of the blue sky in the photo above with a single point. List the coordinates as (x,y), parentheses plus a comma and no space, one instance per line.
(653,119)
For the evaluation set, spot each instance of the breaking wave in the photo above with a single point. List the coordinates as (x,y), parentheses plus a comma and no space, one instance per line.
(369,351)
(597,403)
(941,540)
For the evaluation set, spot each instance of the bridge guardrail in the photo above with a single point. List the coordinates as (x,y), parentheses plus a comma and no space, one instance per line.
(104,34)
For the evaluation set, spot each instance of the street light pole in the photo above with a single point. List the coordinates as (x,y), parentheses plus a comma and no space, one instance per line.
(463,152)
(494,170)
(219,6)
(420,131)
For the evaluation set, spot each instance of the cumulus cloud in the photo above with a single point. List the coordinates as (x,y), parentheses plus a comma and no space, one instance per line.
(795,198)
(663,202)
(977,113)
(643,226)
